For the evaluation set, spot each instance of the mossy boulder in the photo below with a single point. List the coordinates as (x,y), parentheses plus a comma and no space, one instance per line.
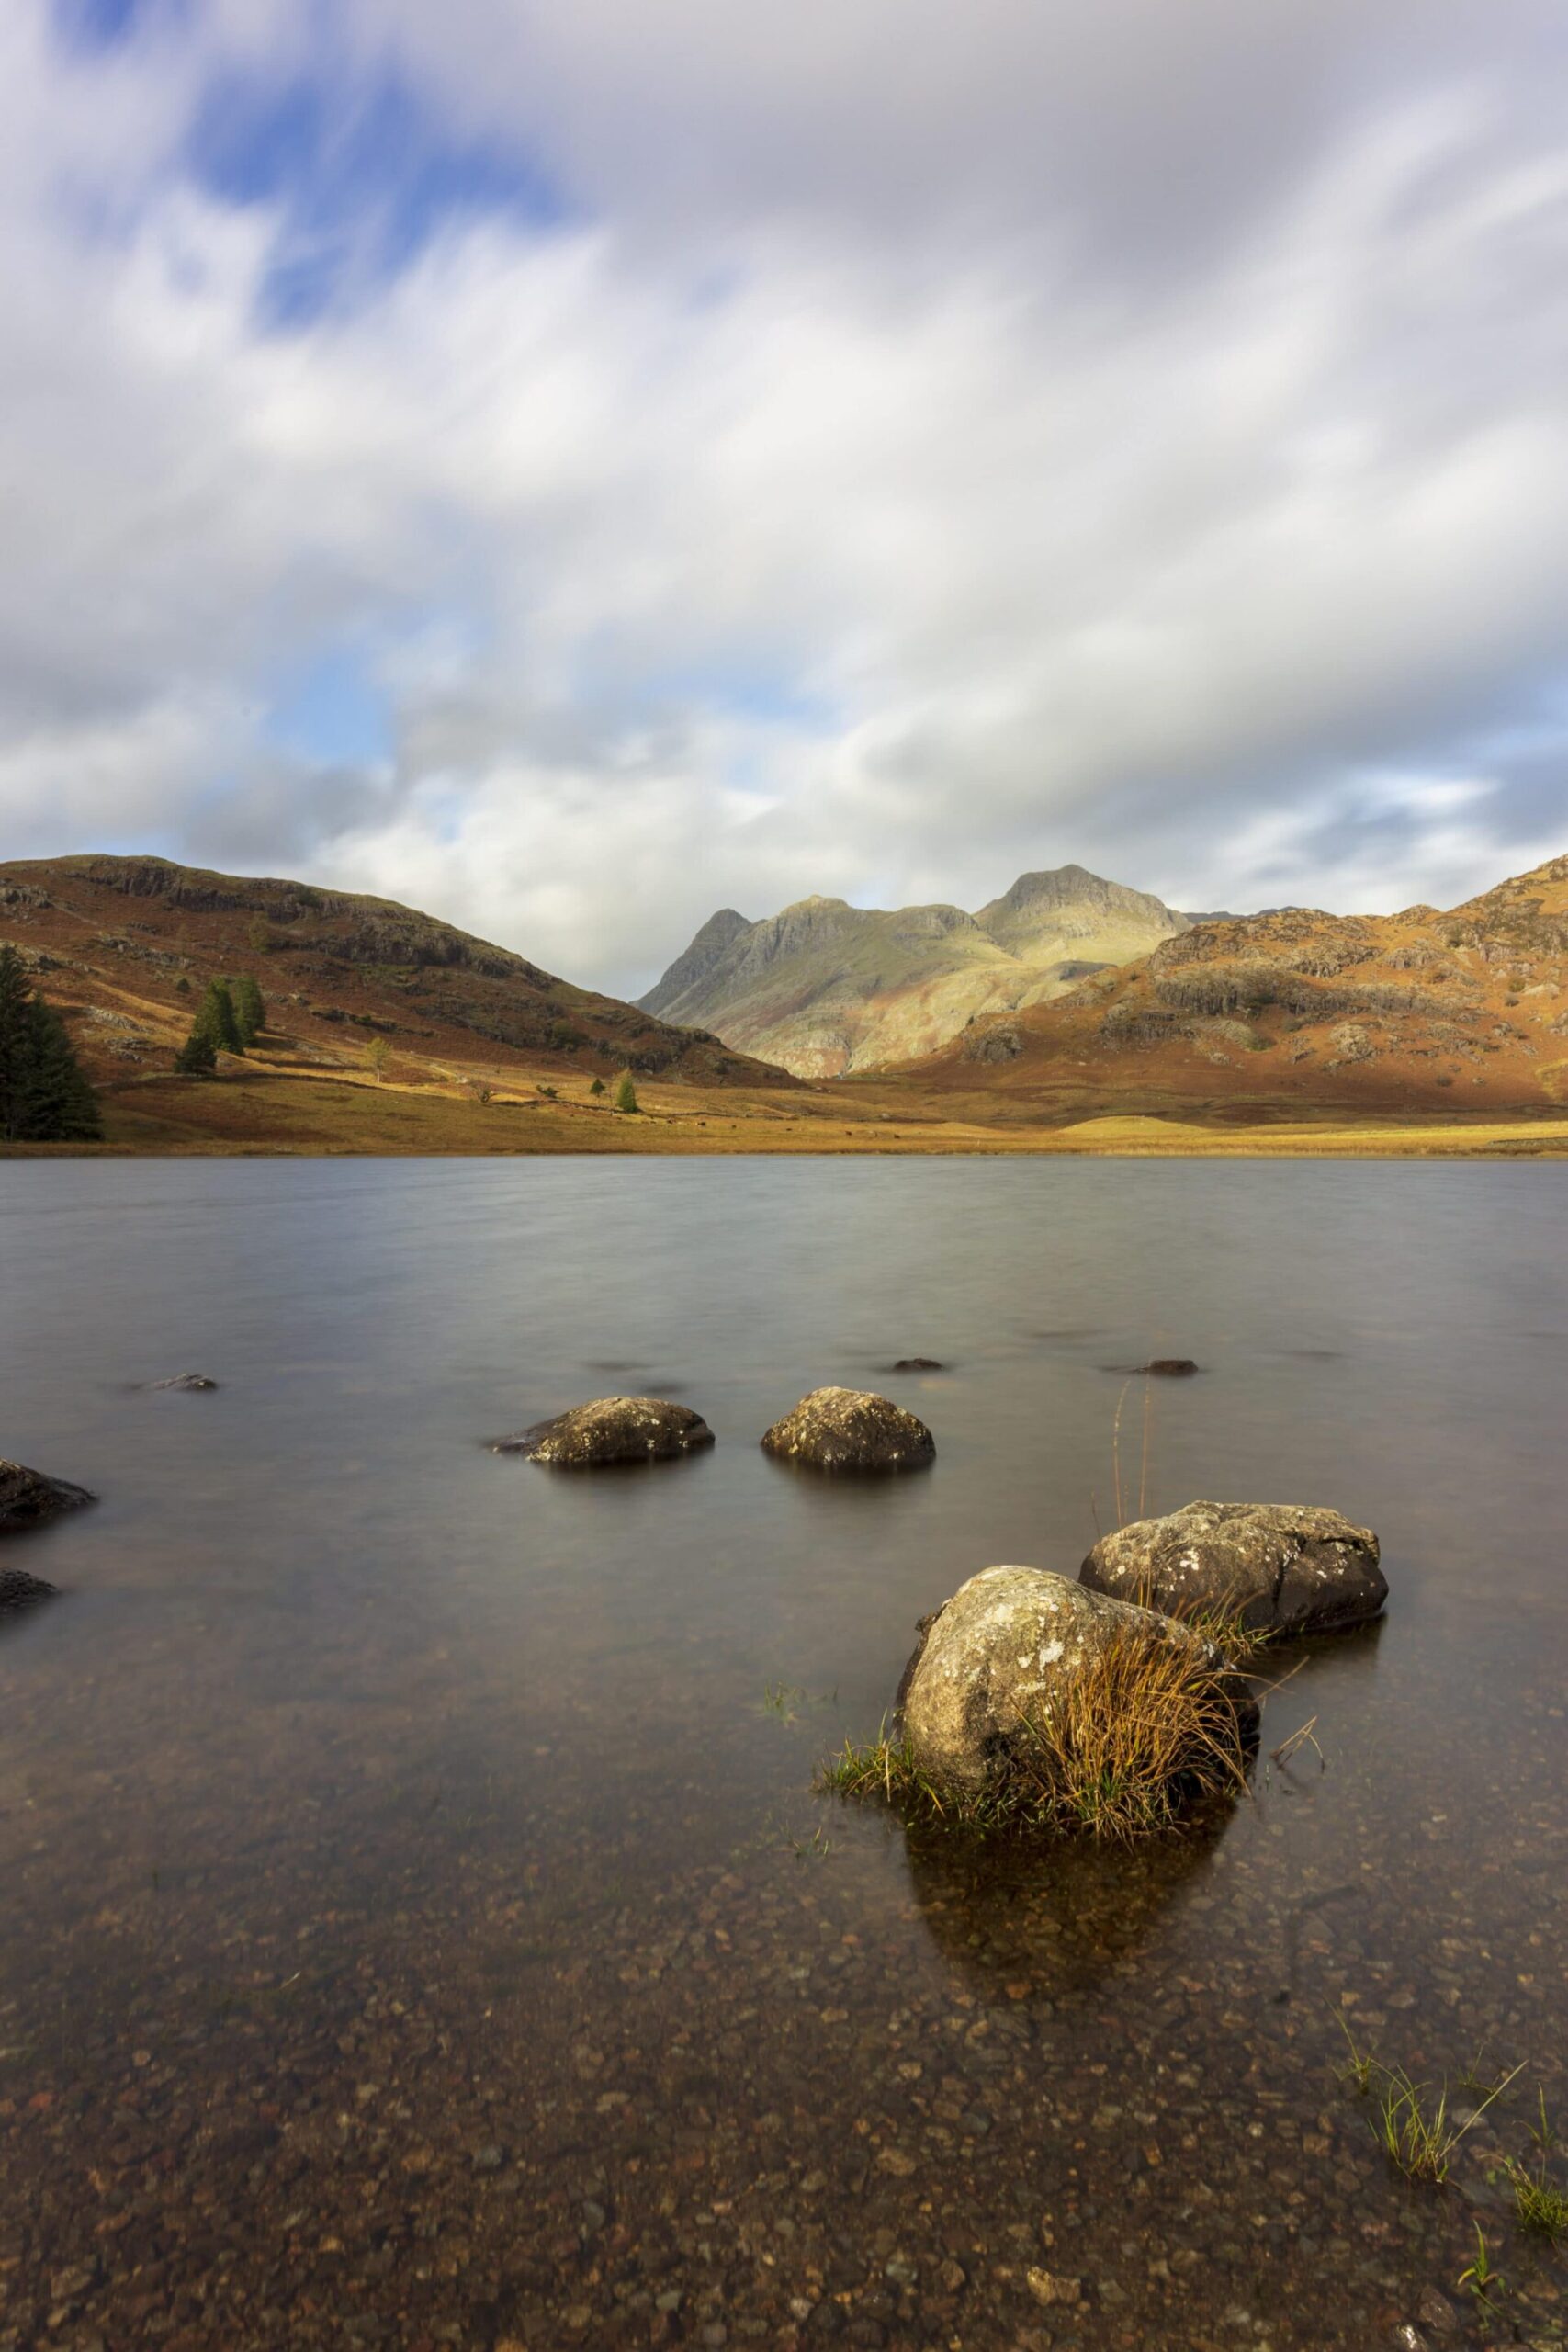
(29,1496)
(610,1429)
(850,1429)
(1278,1567)
(999,1658)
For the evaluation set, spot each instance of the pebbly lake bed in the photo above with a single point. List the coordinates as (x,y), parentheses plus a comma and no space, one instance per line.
(417,1924)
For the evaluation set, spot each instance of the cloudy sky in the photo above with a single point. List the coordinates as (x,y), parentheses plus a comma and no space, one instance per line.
(572,464)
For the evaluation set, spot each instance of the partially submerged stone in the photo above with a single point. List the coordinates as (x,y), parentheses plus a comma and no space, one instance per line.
(190,1382)
(919,1363)
(1169,1367)
(19,1590)
(850,1429)
(995,1659)
(1280,1568)
(29,1496)
(611,1429)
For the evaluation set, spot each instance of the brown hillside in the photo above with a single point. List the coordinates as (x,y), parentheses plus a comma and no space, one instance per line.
(1296,1014)
(110,939)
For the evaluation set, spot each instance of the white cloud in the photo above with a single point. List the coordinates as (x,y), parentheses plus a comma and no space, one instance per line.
(1071,457)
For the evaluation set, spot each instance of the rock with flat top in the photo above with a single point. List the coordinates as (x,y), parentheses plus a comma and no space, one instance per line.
(850,1429)
(609,1430)
(29,1496)
(189,1382)
(1280,1568)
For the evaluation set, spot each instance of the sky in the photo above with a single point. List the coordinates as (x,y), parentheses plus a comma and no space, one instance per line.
(572,464)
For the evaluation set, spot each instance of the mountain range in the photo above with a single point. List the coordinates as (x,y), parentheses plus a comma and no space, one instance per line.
(827,988)
(1280,1021)
(1298,1012)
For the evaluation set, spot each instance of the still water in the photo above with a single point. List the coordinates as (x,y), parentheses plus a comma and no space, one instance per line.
(417,1927)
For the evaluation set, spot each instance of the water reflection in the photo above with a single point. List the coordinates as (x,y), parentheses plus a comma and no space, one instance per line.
(1019,1918)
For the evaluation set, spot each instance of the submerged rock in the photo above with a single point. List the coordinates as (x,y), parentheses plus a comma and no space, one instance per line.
(1281,1567)
(1169,1367)
(611,1429)
(19,1590)
(995,1659)
(919,1363)
(850,1429)
(28,1497)
(191,1380)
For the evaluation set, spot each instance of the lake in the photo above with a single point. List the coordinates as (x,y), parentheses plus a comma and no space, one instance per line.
(418,1925)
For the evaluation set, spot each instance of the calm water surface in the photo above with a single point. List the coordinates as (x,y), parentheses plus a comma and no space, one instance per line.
(416,1923)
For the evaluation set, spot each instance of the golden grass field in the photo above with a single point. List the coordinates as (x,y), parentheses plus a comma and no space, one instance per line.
(268,1106)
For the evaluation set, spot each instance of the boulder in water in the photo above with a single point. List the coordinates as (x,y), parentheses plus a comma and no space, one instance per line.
(1013,1648)
(609,1430)
(28,1497)
(919,1363)
(850,1429)
(1278,1567)
(19,1590)
(188,1382)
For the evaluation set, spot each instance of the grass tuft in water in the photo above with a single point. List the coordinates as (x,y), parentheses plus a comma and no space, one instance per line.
(1539,2203)
(1480,2274)
(1416,2128)
(1141,1735)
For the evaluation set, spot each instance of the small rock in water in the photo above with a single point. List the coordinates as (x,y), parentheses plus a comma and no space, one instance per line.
(919,1363)
(186,1380)
(1049,2287)
(850,1429)
(1169,1367)
(28,1497)
(611,1429)
(1281,1567)
(19,1590)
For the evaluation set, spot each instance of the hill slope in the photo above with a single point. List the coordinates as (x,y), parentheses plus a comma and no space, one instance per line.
(826,988)
(123,946)
(1298,1012)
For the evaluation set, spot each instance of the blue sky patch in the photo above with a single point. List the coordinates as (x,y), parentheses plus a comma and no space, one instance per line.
(363,174)
(332,714)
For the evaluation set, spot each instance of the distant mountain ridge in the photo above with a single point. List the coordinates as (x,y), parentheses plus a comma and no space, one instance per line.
(1295,1011)
(825,988)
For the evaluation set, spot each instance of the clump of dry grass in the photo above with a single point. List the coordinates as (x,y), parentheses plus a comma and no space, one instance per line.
(1142,1733)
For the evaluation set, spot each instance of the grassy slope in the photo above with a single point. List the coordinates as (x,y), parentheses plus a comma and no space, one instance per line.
(307,1088)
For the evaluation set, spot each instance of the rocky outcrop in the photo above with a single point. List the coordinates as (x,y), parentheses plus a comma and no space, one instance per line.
(28,1497)
(850,1429)
(1280,1568)
(997,1657)
(19,1590)
(610,1430)
(826,988)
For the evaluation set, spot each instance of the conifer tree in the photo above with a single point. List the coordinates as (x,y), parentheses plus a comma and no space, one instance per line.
(626,1093)
(250,1009)
(198,1054)
(218,1019)
(597,1087)
(44,1095)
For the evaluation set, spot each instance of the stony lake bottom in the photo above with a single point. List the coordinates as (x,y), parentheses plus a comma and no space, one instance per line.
(417,1926)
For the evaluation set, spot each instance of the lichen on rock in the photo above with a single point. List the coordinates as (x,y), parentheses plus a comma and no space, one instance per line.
(1276,1567)
(850,1429)
(610,1429)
